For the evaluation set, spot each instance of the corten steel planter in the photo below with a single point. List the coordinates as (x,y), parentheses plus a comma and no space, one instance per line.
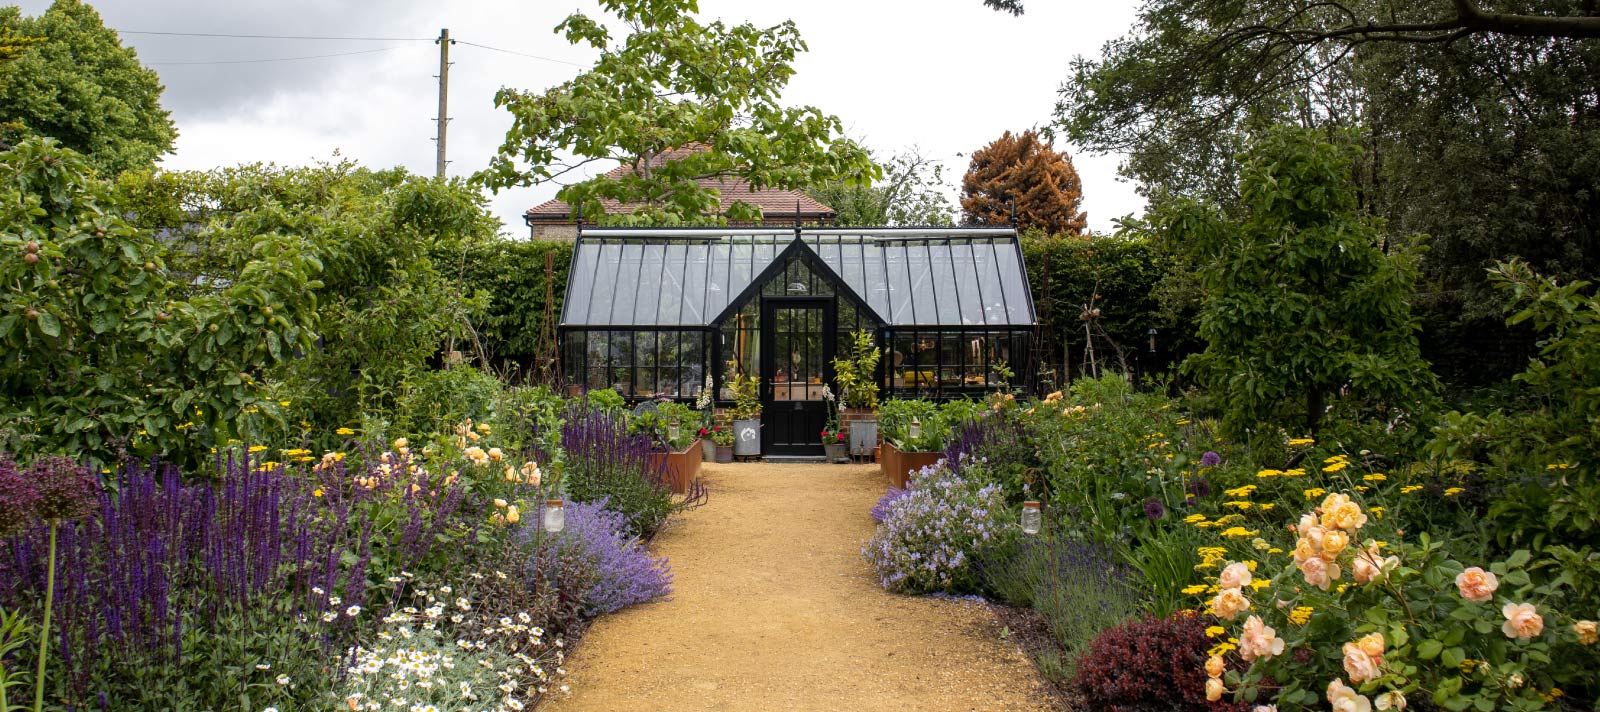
(724,454)
(747,438)
(898,465)
(682,468)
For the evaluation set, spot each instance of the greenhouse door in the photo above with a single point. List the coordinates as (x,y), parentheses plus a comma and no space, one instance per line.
(796,360)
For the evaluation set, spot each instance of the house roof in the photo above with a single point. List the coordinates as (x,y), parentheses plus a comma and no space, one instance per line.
(773,202)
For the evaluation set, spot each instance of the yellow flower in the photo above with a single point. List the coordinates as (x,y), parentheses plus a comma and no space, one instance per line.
(1297,442)
(1296,472)
(1215,631)
(1238,532)
(1362,488)
(1184,421)
(344,431)
(1258,584)
(257,448)
(1244,491)
(1196,589)
(1558,466)
(1274,550)
(1269,473)
(284,403)
(1375,477)
(1267,506)
(1408,489)
(316,492)
(1453,491)
(1195,518)
(1222,649)
(511,513)
(1301,615)
(1335,467)
(1315,492)
(1377,512)
(1241,504)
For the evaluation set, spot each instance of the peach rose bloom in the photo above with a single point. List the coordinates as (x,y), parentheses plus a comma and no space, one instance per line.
(1588,632)
(1364,570)
(1391,701)
(1346,699)
(1258,640)
(1304,549)
(1477,585)
(1333,544)
(1234,575)
(1360,666)
(1372,644)
(1319,573)
(1264,708)
(1213,689)
(1229,604)
(1308,520)
(1315,535)
(1214,666)
(1522,621)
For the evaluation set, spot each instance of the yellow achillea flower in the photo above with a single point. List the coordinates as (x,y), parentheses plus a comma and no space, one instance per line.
(1296,472)
(1212,551)
(1267,506)
(1215,631)
(1377,512)
(1408,489)
(1238,532)
(1224,648)
(1453,491)
(1362,488)
(1241,504)
(1315,492)
(344,431)
(1297,442)
(1559,466)
(1269,473)
(1301,615)
(1184,421)
(1198,588)
(1195,518)
(1335,467)
(1274,550)
(1375,477)
(1244,491)
(257,448)
(1258,584)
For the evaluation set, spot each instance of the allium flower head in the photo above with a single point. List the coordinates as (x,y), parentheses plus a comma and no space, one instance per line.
(66,490)
(1199,487)
(1210,459)
(1154,509)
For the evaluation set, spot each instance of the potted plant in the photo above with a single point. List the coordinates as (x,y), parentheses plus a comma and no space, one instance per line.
(857,375)
(722,435)
(746,413)
(702,403)
(673,441)
(914,435)
(834,445)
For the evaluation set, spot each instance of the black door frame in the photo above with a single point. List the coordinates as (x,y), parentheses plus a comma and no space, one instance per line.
(769,305)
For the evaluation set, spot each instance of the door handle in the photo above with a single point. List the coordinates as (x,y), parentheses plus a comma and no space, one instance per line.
(798,405)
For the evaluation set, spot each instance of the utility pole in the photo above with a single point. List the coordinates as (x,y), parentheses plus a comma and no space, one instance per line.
(444,42)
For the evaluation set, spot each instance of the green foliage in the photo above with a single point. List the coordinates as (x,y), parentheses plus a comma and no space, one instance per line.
(658,425)
(83,88)
(911,192)
(607,399)
(1301,303)
(673,83)
(857,371)
(1117,275)
(934,421)
(112,352)
(386,306)
(512,275)
(434,401)
(14,637)
(746,390)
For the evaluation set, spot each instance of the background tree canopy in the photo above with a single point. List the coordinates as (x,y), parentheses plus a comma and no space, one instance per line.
(81,87)
(1024,170)
(1477,124)
(674,82)
(911,192)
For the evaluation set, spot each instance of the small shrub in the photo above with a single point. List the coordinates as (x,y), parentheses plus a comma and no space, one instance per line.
(929,538)
(1147,665)
(605,462)
(886,502)
(624,572)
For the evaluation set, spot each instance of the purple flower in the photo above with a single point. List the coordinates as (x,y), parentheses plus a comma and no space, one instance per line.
(618,569)
(881,509)
(1154,509)
(66,491)
(1199,487)
(19,499)
(1210,459)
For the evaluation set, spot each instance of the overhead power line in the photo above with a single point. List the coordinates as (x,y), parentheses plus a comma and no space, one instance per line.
(519,54)
(279,37)
(275,59)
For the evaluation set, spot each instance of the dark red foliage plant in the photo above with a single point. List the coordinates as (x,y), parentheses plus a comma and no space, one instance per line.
(1148,665)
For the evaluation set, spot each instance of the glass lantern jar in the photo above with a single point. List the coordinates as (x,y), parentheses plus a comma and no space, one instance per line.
(555,516)
(1032,518)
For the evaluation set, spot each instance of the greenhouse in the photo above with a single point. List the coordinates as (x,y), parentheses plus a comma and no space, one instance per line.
(660,313)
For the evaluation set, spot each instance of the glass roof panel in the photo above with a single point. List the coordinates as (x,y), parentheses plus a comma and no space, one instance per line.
(967,284)
(580,280)
(1018,304)
(647,296)
(898,270)
(670,305)
(697,256)
(988,273)
(610,260)
(943,281)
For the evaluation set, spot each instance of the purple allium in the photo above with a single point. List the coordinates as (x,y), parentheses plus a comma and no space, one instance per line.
(881,509)
(66,490)
(18,499)
(1154,509)
(1199,487)
(1210,459)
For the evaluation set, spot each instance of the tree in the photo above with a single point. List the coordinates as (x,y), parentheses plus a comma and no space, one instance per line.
(82,88)
(1301,305)
(674,83)
(912,192)
(1028,170)
(103,354)
(391,246)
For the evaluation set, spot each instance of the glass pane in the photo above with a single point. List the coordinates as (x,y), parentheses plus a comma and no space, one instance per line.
(629,275)
(670,302)
(899,283)
(967,284)
(694,285)
(622,361)
(994,301)
(950,362)
(644,364)
(581,281)
(717,289)
(977,352)
(740,276)
(572,362)
(647,305)
(1014,282)
(606,274)
(924,308)
(874,290)
(598,352)
(945,294)
(692,362)
(667,368)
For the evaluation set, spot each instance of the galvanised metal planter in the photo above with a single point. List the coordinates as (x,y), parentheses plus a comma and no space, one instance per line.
(746,438)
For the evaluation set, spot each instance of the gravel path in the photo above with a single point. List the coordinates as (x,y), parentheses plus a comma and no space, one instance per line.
(774,609)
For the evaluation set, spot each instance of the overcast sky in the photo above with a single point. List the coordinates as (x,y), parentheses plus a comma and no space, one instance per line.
(947,76)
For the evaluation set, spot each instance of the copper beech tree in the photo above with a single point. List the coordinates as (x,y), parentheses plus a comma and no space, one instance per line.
(1024,168)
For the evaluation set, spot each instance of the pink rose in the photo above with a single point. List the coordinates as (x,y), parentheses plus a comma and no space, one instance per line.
(1338,512)
(1346,699)
(1319,573)
(1358,664)
(1234,575)
(1304,549)
(1522,621)
(1258,640)
(1229,603)
(1477,585)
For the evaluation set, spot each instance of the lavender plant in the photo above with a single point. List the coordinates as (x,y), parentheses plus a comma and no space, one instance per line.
(1079,588)
(624,572)
(929,538)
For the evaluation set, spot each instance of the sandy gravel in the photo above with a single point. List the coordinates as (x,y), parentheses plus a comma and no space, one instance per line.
(774,609)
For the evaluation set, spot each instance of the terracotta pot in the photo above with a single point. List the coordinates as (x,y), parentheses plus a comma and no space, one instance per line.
(682,468)
(898,466)
(724,454)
